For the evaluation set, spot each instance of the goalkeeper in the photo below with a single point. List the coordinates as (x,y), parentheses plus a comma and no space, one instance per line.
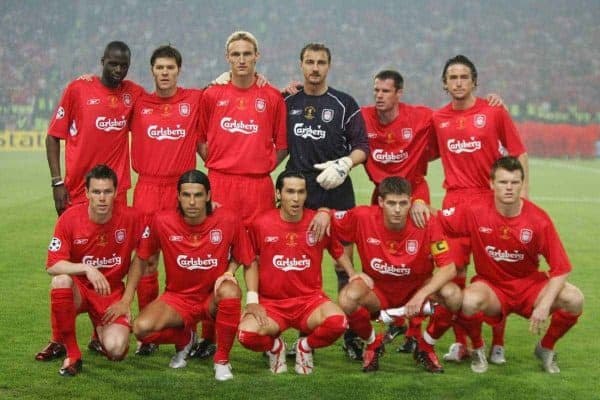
(326,138)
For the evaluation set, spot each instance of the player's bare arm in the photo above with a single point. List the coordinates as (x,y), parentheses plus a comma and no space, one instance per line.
(98,280)
(442,276)
(320,223)
(524,159)
(281,155)
(123,306)
(59,191)
(544,303)
(202,151)
(252,305)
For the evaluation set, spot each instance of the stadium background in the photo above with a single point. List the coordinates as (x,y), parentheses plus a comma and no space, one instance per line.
(541,56)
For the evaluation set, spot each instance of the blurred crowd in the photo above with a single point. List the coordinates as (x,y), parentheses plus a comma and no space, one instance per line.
(542,57)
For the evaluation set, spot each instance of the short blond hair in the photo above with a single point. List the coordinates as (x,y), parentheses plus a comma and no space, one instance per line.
(241,35)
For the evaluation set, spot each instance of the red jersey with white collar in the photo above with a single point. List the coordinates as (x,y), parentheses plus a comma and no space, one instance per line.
(93,120)
(402,147)
(165,133)
(470,141)
(396,260)
(289,256)
(243,128)
(196,255)
(505,249)
(107,247)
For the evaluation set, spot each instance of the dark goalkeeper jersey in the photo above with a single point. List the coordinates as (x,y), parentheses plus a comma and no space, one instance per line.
(322,128)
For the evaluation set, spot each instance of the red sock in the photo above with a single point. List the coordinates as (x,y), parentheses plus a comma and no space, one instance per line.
(414,326)
(228,318)
(63,311)
(472,325)
(498,332)
(208,330)
(561,322)
(460,334)
(360,322)
(325,334)
(439,322)
(177,336)
(255,342)
(147,290)
(423,345)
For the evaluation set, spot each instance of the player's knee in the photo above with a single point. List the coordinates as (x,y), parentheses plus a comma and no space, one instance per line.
(572,298)
(151,266)
(451,295)
(229,290)
(253,340)
(336,325)
(116,347)
(472,302)
(142,327)
(349,298)
(61,281)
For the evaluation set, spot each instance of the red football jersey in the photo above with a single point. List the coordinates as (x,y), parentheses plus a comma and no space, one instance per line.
(107,247)
(402,147)
(289,256)
(504,248)
(397,261)
(470,141)
(164,133)
(243,128)
(93,121)
(196,255)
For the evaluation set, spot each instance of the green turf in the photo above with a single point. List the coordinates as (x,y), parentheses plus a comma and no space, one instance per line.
(568,190)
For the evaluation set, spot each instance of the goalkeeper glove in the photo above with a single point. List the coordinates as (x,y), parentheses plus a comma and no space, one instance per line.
(334,172)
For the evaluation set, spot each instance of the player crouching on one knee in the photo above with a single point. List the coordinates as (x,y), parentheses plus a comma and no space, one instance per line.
(197,243)
(397,268)
(285,281)
(509,233)
(88,258)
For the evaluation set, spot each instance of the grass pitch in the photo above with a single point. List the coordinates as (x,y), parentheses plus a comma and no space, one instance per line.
(569,190)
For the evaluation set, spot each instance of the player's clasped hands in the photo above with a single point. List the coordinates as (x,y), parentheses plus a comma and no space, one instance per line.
(115,311)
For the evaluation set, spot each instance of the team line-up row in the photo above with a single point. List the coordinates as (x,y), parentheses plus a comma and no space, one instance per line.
(243,129)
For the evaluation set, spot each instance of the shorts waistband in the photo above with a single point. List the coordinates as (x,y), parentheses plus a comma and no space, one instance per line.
(215,173)
(158,180)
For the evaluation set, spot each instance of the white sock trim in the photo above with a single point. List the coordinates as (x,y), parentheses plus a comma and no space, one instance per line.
(428,339)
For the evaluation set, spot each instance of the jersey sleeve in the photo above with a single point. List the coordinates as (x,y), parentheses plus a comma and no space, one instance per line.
(335,248)
(59,248)
(243,251)
(509,135)
(453,221)
(343,226)
(553,251)
(356,131)
(280,123)
(60,122)
(440,251)
(206,110)
(149,242)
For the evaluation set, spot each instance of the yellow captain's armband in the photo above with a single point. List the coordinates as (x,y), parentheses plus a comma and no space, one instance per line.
(439,247)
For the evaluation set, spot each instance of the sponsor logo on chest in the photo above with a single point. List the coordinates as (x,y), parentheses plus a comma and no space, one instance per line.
(290,264)
(104,262)
(234,126)
(308,132)
(111,124)
(385,157)
(166,133)
(193,263)
(377,264)
(504,255)
(463,146)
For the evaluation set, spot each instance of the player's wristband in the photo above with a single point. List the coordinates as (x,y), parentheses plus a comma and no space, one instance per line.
(323,209)
(251,298)
(228,273)
(57,183)
(419,201)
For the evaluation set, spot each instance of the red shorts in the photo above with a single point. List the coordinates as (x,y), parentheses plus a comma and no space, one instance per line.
(153,194)
(460,247)
(395,298)
(95,305)
(293,312)
(517,296)
(419,187)
(192,308)
(247,196)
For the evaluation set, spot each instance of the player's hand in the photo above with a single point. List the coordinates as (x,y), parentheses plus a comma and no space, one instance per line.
(215,204)
(364,277)
(86,77)
(222,79)
(538,320)
(261,80)
(495,100)
(420,213)
(414,305)
(258,311)
(61,198)
(334,172)
(293,87)
(98,280)
(320,224)
(115,311)
(223,278)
